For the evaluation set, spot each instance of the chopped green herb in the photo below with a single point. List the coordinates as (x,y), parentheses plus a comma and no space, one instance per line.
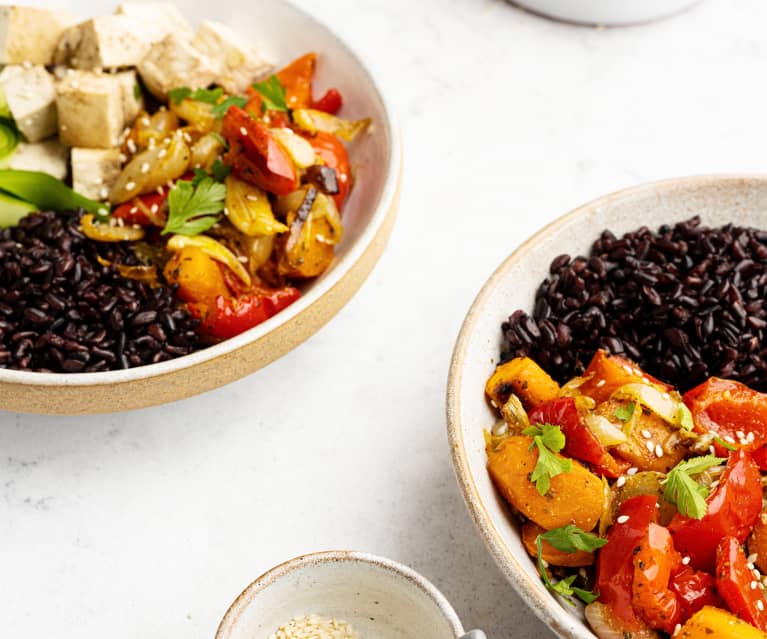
(549,440)
(193,209)
(273,93)
(724,444)
(685,417)
(178,94)
(624,413)
(681,489)
(220,170)
(220,109)
(208,96)
(571,539)
(199,176)
(137,91)
(563,587)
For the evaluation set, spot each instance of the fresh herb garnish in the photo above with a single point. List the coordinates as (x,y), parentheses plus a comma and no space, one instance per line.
(220,109)
(724,444)
(220,139)
(568,539)
(624,413)
(208,96)
(681,489)
(220,170)
(199,176)
(193,208)
(273,94)
(179,93)
(549,440)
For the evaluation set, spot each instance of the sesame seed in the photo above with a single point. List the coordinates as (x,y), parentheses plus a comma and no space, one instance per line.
(252,198)
(677,628)
(243,131)
(130,186)
(666,396)
(600,383)
(760,604)
(123,157)
(103,192)
(740,434)
(63,127)
(145,167)
(650,446)
(729,439)
(750,437)
(632,471)
(754,584)
(160,191)
(752,557)
(154,208)
(131,146)
(243,259)
(750,565)
(621,481)
(711,449)
(134,209)
(162,153)
(226,212)
(685,560)
(646,434)
(658,450)
(622,519)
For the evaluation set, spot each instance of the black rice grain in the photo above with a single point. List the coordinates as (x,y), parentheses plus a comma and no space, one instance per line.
(62,311)
(686,302)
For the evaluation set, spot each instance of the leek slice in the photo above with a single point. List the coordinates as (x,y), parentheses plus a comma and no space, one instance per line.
(9,140)
(663,404)
(13,209)
(46,192)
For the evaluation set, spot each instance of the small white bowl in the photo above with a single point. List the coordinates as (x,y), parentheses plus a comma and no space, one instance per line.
(606,12)
(380,598)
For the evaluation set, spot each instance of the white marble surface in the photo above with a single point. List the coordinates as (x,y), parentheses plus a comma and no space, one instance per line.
(148,524)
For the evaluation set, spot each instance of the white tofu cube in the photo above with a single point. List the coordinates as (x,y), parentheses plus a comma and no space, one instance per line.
(31,35)
(95,171)
(90,109)
(49,157)
(174,62)
(132,98)
(31,96)
(158,19)
(238,63)
(104,42)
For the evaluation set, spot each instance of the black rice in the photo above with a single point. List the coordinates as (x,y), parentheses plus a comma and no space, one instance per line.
(686,302)
(63,311)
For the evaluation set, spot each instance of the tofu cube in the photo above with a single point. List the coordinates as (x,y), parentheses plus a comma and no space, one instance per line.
(90,109)
(174,62)
(49,157)
(95,171)
(31,35)
(158,19)
(31,96)
(132,98)
(238,63)
(104,42)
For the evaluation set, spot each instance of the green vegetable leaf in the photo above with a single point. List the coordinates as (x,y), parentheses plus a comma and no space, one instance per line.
(179,93)
(47,193)
(681,489)
(570,538)
(549,440)
(193,209)
(624,413)
(685,417)
(724,444)
(199,176)
(273,93)
(220,170)
(137,91)
(220,109)
(564,587)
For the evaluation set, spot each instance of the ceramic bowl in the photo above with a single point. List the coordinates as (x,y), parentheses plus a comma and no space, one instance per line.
(378,597)
(284,32)
(606,12)
(717,200)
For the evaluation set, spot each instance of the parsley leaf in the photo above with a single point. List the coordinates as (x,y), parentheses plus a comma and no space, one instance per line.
(209,96)
(549,440)
(220,170)
(681,489)
(570,538)
(199,176)
(192,208)
(273,93)
(220,109)
(724,444)
(624,413)
(179,93)
(564,587)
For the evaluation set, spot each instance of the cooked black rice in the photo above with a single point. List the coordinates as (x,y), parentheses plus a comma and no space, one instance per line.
(686,302)
(61,311)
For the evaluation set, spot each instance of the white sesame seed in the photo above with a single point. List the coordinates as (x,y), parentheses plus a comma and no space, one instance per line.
(621,481)
(632,471)
(650,445)
(729,439)
(711,449)
(242,259)
(131,146)
(63,127)
(740,434)
(760,604)
(646,434)
(666,396)
(658,450)
(252,198)
(750,565)
(752,557)
(622,519)
(103,192)
(134,209)
(154,208)
(130,186)
(145,167)
(123,157)
(160,191)
(685,560)
(750,437)
(600,383)
(677,628)
(754,584)
(162,153)
(243,131)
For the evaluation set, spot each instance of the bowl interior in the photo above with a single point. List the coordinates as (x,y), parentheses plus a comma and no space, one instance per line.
(718,200)
(283,32)
(376,598)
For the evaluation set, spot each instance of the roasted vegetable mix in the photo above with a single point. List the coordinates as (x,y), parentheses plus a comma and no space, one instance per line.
(642,503)
(228,189)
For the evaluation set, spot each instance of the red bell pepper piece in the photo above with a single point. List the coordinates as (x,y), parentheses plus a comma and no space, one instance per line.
(730,410)
(655,559)
(694,589)
(615,563)
(297,79)
(760,457)
(331,102)
(232,316)
(580,442)
(333,153)
(733,579)
(732,510)
(255,156)
(144,210)
(606,373)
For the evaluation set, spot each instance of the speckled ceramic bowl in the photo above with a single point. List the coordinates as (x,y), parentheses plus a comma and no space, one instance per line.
(284,32)
(717,200)
(378,597)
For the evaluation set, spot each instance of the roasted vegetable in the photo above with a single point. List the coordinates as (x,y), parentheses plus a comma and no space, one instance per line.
(206,150)
(197,275)
(714,623)
(249,210)
(314,121)
(523,377)
(197,113)
(212,249)
(574,497)
(150,130)
(606,373)
(109,231)
(333,153)
(734,580)
(549,554)
(757,542)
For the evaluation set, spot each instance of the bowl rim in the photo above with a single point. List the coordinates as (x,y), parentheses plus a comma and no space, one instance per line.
(543,604)
(385,206)
(283,569)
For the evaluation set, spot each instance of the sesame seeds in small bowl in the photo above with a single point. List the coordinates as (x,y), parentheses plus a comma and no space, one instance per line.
(341,595)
